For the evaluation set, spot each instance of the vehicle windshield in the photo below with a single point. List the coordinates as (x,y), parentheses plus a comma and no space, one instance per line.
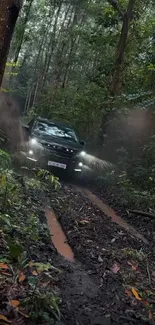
(51,129)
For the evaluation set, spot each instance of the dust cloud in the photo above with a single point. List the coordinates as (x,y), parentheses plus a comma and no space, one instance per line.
(10,124)
(124,136)
(125,133)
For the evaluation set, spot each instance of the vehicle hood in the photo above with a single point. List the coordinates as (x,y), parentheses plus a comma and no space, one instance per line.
(57,141)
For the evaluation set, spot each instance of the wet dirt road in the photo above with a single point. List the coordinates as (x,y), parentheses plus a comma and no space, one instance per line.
(109,260)
(59,238)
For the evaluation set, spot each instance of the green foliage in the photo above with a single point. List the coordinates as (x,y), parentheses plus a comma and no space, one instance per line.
(40,267)
(67,75)
(15,250)
(45,307)
(5,160)
(76,108)
(47,176)
(44,301)
(25,233)
(5,220)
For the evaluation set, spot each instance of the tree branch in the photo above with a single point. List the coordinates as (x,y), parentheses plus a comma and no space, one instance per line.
(145,214)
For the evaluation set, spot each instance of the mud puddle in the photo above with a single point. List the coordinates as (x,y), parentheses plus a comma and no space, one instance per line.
(58,237)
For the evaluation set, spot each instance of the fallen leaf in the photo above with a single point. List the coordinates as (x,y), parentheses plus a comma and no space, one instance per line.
(7,274)
(34,272)
(2,317)
(100,259)
(150,292)
(14,303)
(128,293)
(135,293)
(113,240)
(44,285)
(150,315)
(83,222)
(115,268)
(146,303)
(30,264)
(134,267)
(21,277)
(4,266)
(20,312)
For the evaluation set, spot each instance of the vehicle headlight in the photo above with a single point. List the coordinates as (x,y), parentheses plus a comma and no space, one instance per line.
(80,164)
(82,153)
(30,152)
(33,141)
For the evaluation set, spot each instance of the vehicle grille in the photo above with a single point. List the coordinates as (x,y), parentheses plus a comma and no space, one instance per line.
(59,151)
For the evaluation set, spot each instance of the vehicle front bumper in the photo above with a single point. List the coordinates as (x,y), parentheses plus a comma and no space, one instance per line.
(44,161)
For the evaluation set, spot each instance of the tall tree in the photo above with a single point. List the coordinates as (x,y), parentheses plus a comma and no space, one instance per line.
(116,82)
(28,5)
(73,51)
(9,11)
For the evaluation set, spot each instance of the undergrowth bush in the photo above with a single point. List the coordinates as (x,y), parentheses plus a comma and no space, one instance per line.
(23,233)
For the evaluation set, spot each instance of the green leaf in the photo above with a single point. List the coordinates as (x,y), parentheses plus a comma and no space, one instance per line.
(15,250)
(6,219)
(41,267)
(32,281)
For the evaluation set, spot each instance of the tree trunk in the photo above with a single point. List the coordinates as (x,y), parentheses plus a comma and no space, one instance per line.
(25,20)
(50,48)
(9,11)
(116,82)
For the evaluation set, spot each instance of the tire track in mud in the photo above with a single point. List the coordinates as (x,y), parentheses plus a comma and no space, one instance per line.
(58,236)
(76,285)
(111,213)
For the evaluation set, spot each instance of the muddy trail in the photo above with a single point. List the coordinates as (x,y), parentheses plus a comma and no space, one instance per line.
(105,269)
(104,261)
(144,224)
(108,277)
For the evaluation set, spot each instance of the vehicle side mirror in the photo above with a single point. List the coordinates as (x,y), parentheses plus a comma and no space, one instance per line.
(82,143)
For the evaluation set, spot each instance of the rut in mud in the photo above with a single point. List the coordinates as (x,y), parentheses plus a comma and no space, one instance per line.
(58,237)
(111,213)
(110,262)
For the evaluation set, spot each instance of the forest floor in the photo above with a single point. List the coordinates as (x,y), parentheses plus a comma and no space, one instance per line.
(116,270)
(112,278)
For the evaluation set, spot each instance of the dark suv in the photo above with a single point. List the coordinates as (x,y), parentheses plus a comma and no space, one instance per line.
(53,145)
